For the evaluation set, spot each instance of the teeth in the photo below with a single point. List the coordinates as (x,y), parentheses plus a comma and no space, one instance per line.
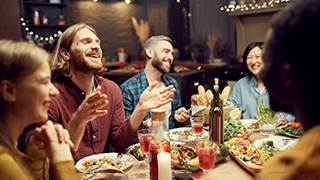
(94,56)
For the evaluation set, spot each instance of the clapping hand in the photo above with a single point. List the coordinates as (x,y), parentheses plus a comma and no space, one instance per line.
(154,99)
(92,106)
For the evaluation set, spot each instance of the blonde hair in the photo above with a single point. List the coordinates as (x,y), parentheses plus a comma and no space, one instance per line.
(58,65)
(17,60)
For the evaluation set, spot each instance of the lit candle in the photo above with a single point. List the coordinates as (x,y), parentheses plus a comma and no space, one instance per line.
(164,166)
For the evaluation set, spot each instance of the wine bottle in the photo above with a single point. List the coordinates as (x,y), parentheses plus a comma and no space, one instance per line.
(216,119)
(216,82)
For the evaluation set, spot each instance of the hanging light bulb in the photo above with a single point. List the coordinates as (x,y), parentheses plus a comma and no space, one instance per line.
(128,1)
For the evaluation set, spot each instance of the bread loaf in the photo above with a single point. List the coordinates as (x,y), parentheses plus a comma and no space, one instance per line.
(209,96)
(225,94)
(201,91)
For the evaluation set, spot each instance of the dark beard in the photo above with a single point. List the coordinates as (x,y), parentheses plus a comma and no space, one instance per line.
(157,63)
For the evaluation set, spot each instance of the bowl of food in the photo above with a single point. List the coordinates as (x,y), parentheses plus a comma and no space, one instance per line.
(184,155)
(235,128)
(250,123)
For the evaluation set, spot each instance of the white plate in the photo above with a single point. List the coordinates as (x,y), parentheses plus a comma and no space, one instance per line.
(278,142)
(126,161)
(174,134)
(248,122)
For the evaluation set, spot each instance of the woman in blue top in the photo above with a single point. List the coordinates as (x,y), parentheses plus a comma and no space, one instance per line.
(246,89)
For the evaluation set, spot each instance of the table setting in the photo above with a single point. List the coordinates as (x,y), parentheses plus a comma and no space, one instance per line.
(226,166)
(187,153)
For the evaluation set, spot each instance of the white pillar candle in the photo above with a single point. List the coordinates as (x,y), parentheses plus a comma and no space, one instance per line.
(164,166)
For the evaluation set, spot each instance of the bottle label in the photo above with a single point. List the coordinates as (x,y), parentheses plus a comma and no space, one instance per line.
(216,129)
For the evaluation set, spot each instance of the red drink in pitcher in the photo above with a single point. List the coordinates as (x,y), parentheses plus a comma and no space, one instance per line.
(197,129)
(207,157)
(144,143)
(156,146)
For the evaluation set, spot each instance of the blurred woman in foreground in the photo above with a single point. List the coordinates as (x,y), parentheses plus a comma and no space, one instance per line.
(25,94)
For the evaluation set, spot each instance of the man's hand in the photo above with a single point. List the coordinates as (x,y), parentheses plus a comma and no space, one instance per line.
(89,109)
(155,99)
(92,106)
(149,100)
(182,114)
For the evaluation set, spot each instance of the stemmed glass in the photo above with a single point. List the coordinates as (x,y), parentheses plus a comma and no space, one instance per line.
(143,135)
(207,155)
(197,121)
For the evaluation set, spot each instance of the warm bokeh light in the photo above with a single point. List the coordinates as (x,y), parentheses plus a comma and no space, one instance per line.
(128,1)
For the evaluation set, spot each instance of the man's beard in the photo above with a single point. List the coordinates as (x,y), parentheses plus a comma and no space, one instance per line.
(157,63)
(88,67)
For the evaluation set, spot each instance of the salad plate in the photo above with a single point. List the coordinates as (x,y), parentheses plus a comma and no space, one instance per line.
(291,129)
(279,142)
(104,161)
(185,134)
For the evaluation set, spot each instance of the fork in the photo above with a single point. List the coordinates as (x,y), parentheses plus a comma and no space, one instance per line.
(90,177)
(286,141)
(119,155)
(94,169)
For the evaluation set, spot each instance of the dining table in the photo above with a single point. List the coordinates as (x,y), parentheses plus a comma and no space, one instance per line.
(227,169)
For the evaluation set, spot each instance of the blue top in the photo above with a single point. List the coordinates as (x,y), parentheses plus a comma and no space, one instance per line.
(133,88)
(243,94)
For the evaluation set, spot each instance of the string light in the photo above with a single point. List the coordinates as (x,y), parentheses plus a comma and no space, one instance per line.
(251,6)
(42,41)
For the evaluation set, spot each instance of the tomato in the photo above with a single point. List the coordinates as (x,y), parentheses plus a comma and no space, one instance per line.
(259,162)
(165,148)
(137,66)
(242,151)
(296,125)
(253,160)
(289,124)
(121,64)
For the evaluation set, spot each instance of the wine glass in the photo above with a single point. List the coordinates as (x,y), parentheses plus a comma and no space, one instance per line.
(143,135)
(197,121)
(206,154)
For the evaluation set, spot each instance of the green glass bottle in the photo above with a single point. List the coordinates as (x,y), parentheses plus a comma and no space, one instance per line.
(216,82)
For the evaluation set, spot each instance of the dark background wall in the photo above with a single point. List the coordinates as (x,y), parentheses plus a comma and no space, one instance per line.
(10,26)
(112,20)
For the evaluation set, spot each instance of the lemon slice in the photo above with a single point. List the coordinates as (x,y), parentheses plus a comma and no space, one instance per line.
(235,113)
(265,157)
(268,119)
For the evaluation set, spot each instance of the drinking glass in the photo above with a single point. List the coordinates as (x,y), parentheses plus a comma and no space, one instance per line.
(207,155)
(143,135)
(197,121)
(267,124)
